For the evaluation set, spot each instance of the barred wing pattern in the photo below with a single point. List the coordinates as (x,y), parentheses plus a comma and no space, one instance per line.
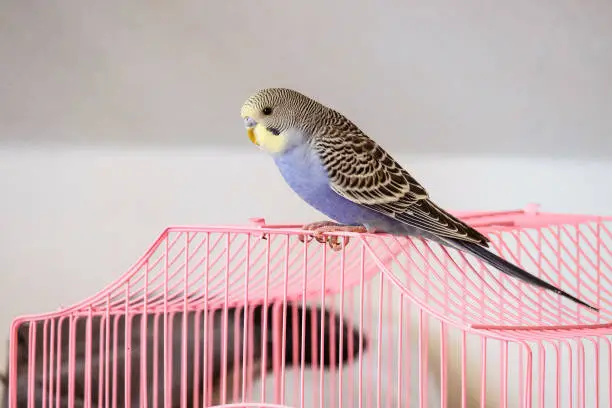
(364,173)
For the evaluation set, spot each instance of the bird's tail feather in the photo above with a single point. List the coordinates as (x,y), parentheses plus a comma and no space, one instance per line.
(511,269)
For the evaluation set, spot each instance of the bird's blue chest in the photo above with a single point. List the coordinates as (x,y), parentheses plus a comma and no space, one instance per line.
(304,173)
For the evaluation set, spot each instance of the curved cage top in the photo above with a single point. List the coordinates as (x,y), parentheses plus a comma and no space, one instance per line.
(210,266)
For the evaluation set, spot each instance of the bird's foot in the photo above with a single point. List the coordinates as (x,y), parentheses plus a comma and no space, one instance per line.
(313,226)
(334,240)
(320,228)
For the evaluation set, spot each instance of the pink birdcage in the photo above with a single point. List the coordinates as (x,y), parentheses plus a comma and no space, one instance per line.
(256,316)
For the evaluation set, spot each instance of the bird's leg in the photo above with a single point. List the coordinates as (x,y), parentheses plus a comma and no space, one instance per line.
(334,239)
(313,226)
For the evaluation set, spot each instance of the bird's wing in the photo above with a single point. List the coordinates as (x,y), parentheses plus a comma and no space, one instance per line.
(364,173)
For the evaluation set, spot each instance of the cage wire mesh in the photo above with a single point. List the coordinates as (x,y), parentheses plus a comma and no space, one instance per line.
(254,317)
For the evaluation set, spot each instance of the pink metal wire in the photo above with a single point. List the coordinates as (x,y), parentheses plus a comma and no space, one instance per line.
(251,316)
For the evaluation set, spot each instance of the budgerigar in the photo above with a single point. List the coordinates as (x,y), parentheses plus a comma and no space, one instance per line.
(337,169)
(318,322)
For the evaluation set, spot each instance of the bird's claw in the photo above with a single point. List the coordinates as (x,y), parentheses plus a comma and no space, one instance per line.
(320,228)
(313,227)
(334,242)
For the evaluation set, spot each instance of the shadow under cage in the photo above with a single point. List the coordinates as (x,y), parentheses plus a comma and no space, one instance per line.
(257,317)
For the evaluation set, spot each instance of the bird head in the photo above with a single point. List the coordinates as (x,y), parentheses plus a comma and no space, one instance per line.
(277,119)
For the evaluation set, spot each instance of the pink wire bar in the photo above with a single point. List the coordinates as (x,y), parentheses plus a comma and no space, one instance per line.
(253,316)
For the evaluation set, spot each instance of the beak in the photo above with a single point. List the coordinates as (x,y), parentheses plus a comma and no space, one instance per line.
(249,124)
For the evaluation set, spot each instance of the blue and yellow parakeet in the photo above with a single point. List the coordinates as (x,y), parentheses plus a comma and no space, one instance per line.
(337,169)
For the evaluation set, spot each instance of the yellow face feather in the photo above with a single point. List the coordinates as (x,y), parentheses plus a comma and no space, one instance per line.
(267,140)
(260,136)
(247,111)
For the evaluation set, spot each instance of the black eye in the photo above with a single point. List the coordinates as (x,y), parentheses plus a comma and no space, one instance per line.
(267,110)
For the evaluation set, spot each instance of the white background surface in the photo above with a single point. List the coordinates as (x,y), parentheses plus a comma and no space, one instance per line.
(74,220)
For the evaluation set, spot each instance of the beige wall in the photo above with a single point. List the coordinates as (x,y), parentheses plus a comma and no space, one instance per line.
(468,77)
